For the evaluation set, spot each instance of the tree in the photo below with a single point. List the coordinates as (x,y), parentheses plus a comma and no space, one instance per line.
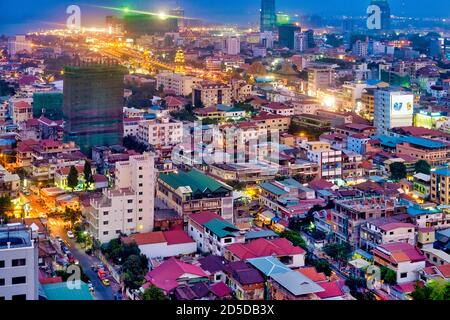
(154,293)
(422,166)
(6,206)
(133,272)
(72,178)
(398,171)
(88,177)
(388,275)
(295,238)
(434,290)
(339,251)
(72,216)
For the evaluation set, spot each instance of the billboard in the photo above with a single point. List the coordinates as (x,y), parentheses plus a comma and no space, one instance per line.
(402,104)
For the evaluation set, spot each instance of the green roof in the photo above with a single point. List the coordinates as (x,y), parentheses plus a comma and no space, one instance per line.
(221,228)
(63,291)
(272,188)
(197,181)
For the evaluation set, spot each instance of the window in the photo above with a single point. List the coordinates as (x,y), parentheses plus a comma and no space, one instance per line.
(130,210)
(105,233)
(140,184)
(140,218)
(105,213)
(130,201)
(2,264)
(18,280)
(21,297)
(403,275)
(141,176)
(117,231)
(2,282)
(18,262)
(140,209)
(130,220)
(105,223)
(140,193)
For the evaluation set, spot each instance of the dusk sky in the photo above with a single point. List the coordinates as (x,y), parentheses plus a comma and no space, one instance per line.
(26,15)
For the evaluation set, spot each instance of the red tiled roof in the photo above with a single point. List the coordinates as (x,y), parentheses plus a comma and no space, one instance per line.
(332,290)
(320,184)
(203,217)
(311,273)
(177,237)
(21,105)
(408,287)
(98,178)
(264,248)
(262,116)
(220,289)
(165,276)
(400,252)
(146,238)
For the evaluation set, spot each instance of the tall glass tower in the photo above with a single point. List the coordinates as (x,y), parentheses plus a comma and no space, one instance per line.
(268,15)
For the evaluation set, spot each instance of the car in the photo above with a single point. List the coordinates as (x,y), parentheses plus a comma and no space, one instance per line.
(105,282)
(70,234)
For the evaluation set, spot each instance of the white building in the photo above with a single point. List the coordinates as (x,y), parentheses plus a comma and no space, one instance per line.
(129,207)
(267,39)
(360,48)
(233,45)
(181,84)
(18,263)
(131,126)
(19,44)
(300,41)
(209,94)
(328,159)
(392,109)
(160,132)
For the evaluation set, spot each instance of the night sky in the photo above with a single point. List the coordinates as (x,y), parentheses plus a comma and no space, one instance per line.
(18,16)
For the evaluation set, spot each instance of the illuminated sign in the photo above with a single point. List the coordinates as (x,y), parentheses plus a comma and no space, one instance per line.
(402,104)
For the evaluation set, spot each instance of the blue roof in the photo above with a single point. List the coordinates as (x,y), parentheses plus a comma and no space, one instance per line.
(421,142)
(272,188)
(269,265)
(251,235)
(443,172)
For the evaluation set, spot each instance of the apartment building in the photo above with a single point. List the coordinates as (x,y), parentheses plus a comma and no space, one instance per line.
(209,94)
(18,263)
(160,132)
(329,160)
(9,183)
(181,84)
(129,207)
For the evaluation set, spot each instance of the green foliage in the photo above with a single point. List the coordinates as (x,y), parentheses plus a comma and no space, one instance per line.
(134,270)
(237,185)
(338,251)
(398,171)
(88,177)
(6,207)
(295,238)
(72,178)
(388,275)
(72,216)
(422,166)
(434,290)
(154,293)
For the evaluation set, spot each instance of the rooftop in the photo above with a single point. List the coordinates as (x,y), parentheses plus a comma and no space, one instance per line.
(297,284)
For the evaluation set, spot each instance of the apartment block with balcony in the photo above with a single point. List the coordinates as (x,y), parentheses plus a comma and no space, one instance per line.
(329,160)
(160,132)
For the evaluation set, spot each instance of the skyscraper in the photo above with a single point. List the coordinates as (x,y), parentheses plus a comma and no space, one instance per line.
(385,13)
(286,35)
(93,104)
(268,15)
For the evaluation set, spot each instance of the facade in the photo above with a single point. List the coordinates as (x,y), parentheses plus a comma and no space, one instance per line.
(9,184)
(160,132)
(286,35)
(18,263)
(268,15)
(19,44)
(392,109)
(320,78)
(440,186)
(329,160)
(233,46)
(209,94)
(129,207)
(181,84)
(93,105)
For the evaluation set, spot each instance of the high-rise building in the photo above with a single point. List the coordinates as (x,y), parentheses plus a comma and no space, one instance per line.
(310,38)
(233,46)
(268,15)
(19,44)
(267,39)
(93,105)
(300,41)
(392,109)
(178,13)
(209,94)
(129,207)
(286,34)
(18,263)
(179,83)
(385,13)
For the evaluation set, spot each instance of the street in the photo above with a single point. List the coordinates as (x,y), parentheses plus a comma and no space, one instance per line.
(102,292)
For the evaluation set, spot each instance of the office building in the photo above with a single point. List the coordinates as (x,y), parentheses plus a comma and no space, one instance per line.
(392,109)
(93,105)
(129,207)
(18,263)
(286,34)
(268,15)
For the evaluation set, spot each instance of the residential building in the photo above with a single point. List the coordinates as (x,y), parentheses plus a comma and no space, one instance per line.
(129,207)
(161,132)
(440,186)
(18,263)
(329,160)
(233,46)
(402,258)
(392,109)
(246,282)
(180,84)
(293,286)
(189,192)
(9,184)
(208,94)
(19,44)
(320,78)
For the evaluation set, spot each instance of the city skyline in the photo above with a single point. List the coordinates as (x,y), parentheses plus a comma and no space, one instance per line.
(35,16)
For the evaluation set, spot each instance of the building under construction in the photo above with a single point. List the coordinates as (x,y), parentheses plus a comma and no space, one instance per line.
(93,104)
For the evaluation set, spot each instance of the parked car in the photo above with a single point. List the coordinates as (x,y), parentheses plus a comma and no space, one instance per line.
(106,282)
(70,234)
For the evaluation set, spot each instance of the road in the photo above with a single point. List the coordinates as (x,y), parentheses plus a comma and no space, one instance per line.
(102,292)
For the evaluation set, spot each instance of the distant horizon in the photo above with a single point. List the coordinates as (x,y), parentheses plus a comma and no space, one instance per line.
(27,15)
